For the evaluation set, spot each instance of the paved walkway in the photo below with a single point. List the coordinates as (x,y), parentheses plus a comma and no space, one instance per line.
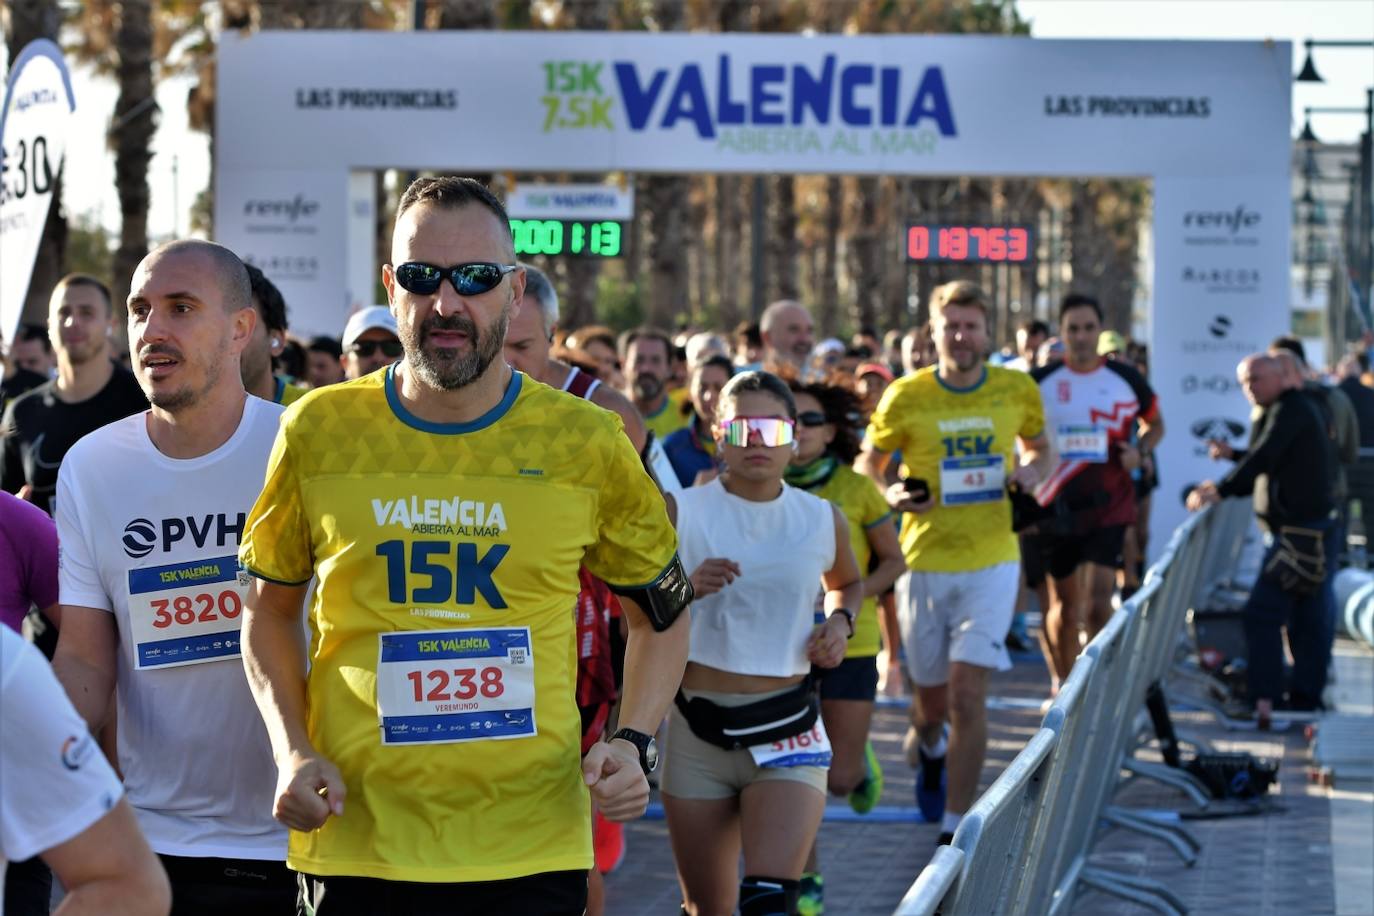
(868,865)
(1279,862)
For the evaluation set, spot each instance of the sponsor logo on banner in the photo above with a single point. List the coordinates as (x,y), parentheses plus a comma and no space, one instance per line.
(377,99)
(571,201)
(1222,280)
(831,108)
(1223,429)
(1219,331)
(276,216)
(1216,383)
(286,267)
(1234,227)
(33,139)
(1123,106)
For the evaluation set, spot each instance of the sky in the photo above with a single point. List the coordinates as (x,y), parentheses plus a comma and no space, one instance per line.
(1348,72)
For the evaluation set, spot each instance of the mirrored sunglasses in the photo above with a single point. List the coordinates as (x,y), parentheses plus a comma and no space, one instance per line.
(470,279)
(772,431)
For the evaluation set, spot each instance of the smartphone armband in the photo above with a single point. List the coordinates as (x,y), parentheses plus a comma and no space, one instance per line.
(664,598)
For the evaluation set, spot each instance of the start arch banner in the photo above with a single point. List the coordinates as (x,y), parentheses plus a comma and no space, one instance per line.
(1207,122)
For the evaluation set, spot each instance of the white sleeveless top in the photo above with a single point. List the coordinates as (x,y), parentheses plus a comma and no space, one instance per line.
(758,624)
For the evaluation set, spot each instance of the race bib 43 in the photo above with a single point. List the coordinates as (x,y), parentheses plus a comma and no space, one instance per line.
(966,481)
(442,686)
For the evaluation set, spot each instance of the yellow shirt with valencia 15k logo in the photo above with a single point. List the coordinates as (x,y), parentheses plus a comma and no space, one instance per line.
(442,650)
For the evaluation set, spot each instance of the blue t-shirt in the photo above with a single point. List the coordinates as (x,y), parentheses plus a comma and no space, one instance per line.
(687,454)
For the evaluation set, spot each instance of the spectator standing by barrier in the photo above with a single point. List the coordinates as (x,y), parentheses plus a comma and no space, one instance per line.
(1361,396)
(956,425)
(1290,469)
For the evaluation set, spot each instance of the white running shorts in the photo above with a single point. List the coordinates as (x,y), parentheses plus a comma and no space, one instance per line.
(956,617)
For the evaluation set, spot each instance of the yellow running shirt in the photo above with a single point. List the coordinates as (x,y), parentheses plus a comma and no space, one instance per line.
(442,649)
(286,393)
(962,443)
(864,508)
(670,417)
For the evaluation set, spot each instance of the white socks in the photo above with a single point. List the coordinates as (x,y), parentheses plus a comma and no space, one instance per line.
(950,822)
(938,750)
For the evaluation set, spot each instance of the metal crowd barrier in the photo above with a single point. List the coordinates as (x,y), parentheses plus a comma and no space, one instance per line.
(1024,846)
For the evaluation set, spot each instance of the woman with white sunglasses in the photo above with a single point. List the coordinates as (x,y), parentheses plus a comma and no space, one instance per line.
(746,757)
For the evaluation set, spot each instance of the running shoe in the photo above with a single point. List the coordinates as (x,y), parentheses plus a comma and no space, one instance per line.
(866,794)
(811,895)
(930,785)
(608,842)
(946,839)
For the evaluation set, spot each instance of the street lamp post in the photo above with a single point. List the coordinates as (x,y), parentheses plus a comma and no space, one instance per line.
(1361,242)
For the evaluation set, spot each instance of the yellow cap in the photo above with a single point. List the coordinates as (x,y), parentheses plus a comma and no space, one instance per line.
(1110,342)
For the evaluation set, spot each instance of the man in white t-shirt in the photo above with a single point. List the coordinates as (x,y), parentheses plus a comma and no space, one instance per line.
(60,799)
(150,513)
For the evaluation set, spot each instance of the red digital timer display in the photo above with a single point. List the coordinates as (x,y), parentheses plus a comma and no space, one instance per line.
(945,242)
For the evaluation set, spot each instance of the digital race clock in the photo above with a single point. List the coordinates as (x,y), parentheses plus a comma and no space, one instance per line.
(964,242)
(580,238)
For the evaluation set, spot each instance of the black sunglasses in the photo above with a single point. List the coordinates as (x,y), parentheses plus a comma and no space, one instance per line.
(470,279)
(811,418)
(366,348)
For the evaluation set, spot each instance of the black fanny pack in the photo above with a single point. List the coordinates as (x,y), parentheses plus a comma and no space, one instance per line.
(1298,566)
(773,719)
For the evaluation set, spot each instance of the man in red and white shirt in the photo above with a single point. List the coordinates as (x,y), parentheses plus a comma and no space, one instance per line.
(1093,407)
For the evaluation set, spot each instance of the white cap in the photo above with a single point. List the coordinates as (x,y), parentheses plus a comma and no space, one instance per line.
(371,318)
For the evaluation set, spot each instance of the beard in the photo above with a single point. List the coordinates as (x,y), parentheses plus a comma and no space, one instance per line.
(447,368)
(646,387)
(91,348)
(185,396)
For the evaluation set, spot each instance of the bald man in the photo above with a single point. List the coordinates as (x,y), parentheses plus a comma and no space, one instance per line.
(529,340)
(1290,469)
(149,513)
(788,335)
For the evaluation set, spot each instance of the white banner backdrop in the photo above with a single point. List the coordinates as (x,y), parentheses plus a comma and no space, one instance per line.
(293,226)
(1207,122)
(1221,290)
(33,135)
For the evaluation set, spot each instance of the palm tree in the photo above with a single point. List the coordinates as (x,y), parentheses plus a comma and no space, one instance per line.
(667,203)
(131,135)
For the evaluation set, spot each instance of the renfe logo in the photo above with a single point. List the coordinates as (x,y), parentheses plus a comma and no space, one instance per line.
(292,209)
(853,95)
(1234,221)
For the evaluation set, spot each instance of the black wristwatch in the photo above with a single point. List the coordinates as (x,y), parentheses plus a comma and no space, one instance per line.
(645,744)
(848,616)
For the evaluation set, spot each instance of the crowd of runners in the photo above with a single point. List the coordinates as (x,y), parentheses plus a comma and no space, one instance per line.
(397,622)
